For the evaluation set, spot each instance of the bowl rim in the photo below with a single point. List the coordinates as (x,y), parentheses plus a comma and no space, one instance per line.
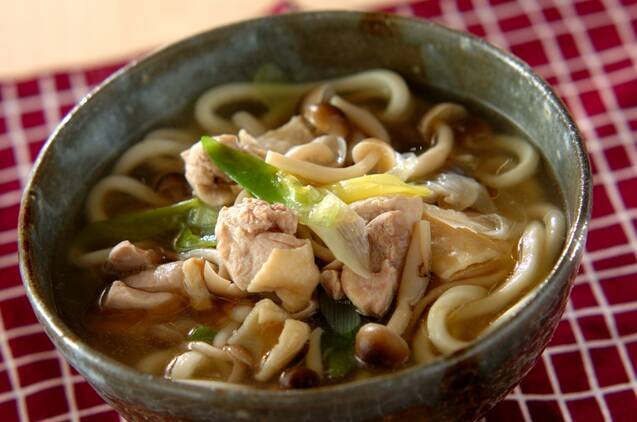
(73,346)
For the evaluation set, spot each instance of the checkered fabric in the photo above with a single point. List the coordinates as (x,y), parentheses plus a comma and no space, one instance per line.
(586,49)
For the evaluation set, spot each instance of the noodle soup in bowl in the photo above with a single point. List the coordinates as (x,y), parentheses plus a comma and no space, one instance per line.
(324,216)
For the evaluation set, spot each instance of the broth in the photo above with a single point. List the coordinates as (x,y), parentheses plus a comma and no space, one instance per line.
(499,236)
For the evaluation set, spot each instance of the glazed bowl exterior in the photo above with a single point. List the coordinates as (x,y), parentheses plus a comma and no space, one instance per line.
(306,46)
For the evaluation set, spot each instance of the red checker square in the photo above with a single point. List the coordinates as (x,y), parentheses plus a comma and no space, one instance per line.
(563,334)
(626,322)
(35,147)
(585,409)
(47,403)
(85,396)
(620,289)
(551,14)
(65,108)
(582,296)
(33,119)
(537,380)
(3,125)
(506,410)
(465,5)
(626,93)
(9,216)
(39,371)
(628,2)
(604,37)
(569,369)
(632,124)
(5,382)
(514,22)
(578,75)
(545,410)
(628,190)
(106,416)
(567,45)
(592,102)
(73,370)
(17,312)
(9,186)
(7,159)
(477,29)
(497,2)
(608,366)
(29,344)
(531,52)
(97,75)
(615,261)
(593,327)
(9,411)
(622,405)
(601,202)
(552,80)
(605,237)
(426,9)
(590,6)
(618,65)
(606,130)
(28,88)
(10,277)
(62,81)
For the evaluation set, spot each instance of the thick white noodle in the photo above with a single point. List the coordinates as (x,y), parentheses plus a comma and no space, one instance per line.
(527,162)
(144,151)
(526,272)
(385,84)
(209,254)
(328,150)
(246,121)
(321,174)
(377,83)
(434,158)
(124,184)
(486,281)
(448,302)
(362,118)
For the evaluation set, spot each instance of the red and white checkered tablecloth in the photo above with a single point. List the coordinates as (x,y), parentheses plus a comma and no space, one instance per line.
(586,49)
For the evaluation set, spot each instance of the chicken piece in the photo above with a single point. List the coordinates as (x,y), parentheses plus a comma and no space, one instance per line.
(120,297)
(209,183)
(330,281)
(248,232)
(165,278)
(389,233)
(389,236)
(295,132)
(126,258)
(371,208)
(291,274)
(371,296)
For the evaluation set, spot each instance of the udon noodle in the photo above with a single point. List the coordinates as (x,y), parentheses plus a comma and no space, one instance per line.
(299,235)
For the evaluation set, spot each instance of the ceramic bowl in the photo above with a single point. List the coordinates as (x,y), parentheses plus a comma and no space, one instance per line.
(306,46)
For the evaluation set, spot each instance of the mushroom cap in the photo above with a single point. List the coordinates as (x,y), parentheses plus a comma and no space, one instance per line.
(327,119)
(378,345)
(299,377)
(444,112)
(371,145)
(319,94)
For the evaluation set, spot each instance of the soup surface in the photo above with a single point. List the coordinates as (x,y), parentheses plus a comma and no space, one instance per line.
(300,235)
